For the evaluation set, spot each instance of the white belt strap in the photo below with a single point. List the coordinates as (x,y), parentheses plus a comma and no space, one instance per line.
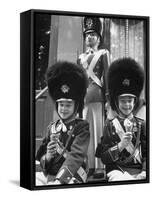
(130,147)
(92,65)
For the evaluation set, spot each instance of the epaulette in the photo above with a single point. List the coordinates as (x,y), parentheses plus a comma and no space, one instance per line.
(110,120)
(51,124)
(77,120)
(81,56)
(139,119)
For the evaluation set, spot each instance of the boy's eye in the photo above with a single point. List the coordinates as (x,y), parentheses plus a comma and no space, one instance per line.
(123,101)
(69,105)
(91,34)
(66,105)
(126,101)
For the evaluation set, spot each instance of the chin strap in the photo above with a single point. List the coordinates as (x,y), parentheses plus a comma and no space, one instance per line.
(120,112)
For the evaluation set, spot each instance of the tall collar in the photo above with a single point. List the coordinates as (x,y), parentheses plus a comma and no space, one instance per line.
(64,127)
(130,117)
(91,50)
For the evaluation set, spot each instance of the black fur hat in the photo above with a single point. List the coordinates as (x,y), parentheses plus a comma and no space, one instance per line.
(92,24)
(67,80)
(125,76)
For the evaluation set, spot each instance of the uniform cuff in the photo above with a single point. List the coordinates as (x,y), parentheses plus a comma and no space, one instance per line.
(43,162)
(114,153)
(64,175)
(144,166)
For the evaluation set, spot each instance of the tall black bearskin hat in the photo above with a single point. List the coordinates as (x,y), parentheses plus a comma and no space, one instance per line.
(67,80)
(125,76)
(92,24)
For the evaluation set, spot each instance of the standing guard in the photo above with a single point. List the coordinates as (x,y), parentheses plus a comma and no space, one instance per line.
(95,61)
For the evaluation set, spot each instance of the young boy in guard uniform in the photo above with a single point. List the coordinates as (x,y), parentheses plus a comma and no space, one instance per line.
(123,145)
(63,152)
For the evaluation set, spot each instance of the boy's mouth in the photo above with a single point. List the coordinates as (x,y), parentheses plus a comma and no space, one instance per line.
(126,111)
(64,113)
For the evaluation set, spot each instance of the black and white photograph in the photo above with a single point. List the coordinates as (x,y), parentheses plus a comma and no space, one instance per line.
(88,99)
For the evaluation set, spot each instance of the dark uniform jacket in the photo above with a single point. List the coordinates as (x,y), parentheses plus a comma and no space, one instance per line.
(74,140)
(108,150)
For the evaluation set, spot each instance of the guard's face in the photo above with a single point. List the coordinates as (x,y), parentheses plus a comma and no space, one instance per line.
(126,104)
(66,109)
(91,39)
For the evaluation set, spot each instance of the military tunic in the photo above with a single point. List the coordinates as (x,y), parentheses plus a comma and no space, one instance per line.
(109,153)
(96,90)
(71,160)
(96,64)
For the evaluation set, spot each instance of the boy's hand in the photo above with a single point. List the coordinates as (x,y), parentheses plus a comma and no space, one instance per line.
(54,137)
(126,139)
(51,150)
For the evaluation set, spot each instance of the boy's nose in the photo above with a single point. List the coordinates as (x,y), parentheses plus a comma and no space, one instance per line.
(89,36)
(127,104)
(63,108)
